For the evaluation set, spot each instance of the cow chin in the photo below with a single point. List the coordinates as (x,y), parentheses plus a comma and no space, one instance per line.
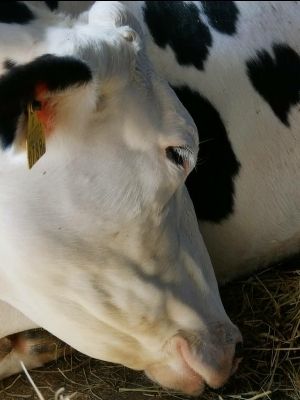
(181,378)
(176,374)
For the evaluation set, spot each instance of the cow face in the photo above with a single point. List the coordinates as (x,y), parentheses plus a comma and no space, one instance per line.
(101,233)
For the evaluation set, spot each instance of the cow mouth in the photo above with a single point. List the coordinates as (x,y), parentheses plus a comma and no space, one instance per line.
(196,382)
(191,384)
(193,375)
(186,379)
(188,382)
(191,366)
(189,372)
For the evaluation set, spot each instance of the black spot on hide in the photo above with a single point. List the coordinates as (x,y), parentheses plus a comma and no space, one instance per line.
(15,12)
(277,78)
(52,5)
(211,183)
(222,15)
(178,24)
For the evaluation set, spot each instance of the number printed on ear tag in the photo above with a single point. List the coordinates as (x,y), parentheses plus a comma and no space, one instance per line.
(35,138)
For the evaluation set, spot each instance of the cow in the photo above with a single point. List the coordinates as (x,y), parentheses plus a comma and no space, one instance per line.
(235,67)
(100,244)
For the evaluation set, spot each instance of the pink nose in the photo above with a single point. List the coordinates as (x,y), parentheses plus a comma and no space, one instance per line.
(213,355)
(198,358)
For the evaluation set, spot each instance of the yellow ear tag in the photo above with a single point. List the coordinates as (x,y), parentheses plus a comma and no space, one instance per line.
(35,138)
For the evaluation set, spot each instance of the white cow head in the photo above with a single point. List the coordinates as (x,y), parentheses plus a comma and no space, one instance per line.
(99,241)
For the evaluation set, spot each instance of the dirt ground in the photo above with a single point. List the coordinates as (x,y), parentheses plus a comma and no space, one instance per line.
(265,306)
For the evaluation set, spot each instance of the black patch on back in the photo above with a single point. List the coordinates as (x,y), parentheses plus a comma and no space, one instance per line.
(178,25)
(222,15)
(211,183)
(52,5)
(277,79)
(8,64)
(15,12)
(17,87)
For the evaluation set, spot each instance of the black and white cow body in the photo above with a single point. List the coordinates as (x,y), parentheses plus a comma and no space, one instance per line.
(109,194)
(236,68)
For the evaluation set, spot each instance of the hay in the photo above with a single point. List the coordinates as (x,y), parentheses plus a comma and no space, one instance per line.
(264,306)
(59,395)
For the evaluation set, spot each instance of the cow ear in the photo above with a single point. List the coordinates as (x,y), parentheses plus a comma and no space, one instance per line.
(34,85)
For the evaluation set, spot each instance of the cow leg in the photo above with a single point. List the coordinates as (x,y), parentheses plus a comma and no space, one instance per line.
(35,348)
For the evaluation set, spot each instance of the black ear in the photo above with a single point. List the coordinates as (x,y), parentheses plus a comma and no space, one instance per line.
(18,87)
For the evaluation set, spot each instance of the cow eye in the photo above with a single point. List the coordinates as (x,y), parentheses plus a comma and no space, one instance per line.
(180,156)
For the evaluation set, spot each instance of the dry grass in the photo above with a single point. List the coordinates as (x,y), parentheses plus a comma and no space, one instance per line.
(265,307)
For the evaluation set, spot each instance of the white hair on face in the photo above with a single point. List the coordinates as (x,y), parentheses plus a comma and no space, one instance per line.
(113,12)
(127,52)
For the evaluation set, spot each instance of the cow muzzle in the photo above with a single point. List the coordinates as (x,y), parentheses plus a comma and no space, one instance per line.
(196,359)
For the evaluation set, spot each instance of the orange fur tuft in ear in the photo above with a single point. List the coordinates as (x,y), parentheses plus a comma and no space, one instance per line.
(45,113)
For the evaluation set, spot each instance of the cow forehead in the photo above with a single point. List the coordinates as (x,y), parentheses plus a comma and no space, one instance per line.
(117,62)
(122,51)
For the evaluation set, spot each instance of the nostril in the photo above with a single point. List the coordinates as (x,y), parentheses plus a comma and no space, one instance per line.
(239,350)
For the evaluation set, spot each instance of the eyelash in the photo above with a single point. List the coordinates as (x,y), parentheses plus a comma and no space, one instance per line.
(177,155)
